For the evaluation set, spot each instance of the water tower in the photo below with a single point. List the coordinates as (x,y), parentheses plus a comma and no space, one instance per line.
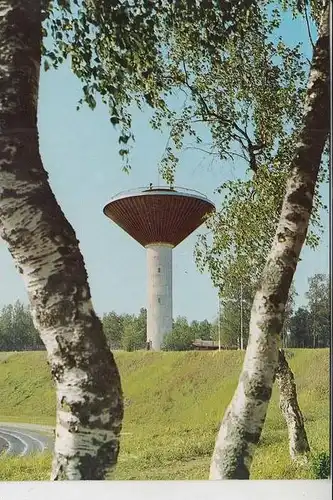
(159,218)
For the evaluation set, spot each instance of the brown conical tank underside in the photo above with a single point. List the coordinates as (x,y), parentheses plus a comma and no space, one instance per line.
(159,215)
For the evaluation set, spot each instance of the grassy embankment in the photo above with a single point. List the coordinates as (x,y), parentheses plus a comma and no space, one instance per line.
(174,402)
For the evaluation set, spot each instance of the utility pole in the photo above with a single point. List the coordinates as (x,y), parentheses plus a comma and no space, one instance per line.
(241,317)
(219,320)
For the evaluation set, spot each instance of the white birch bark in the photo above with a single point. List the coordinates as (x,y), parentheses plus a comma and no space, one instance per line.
(243,421)
(298,442)
(45,249)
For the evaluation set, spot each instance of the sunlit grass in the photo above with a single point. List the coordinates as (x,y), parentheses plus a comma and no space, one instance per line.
(30,468)
(173,405)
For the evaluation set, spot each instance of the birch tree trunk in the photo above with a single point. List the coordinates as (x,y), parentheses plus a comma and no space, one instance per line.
(298,441)
(45,249)
(243,421)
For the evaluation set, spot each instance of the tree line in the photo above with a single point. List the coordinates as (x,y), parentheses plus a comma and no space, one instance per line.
(128,332)
(17,331)
(123,331)
(305,327)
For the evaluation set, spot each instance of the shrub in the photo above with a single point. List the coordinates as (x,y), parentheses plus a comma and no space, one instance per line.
(320,466)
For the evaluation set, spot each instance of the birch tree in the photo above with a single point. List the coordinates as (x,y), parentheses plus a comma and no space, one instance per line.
(299,448)
(46,252)
(244,418)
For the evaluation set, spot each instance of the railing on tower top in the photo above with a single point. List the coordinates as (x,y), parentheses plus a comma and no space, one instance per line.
(144,189)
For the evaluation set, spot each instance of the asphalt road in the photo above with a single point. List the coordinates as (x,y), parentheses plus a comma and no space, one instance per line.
(24,439)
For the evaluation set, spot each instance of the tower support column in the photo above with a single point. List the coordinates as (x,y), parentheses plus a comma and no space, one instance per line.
(159,306)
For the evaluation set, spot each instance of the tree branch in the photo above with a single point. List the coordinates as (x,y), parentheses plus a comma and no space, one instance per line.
(308,26)
(251,148)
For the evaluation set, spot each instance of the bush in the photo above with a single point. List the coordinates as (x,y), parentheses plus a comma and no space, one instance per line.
(178,340)
(133,338)
(320,466)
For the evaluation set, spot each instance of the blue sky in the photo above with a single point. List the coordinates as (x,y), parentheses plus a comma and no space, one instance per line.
(80,152)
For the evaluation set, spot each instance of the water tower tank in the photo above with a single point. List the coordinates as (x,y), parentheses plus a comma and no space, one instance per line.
(159,218)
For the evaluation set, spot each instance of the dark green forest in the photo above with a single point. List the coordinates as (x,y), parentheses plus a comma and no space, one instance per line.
(307,326)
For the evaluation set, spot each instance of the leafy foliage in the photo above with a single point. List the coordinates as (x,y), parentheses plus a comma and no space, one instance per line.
(300,330)
(113,326)
(183,334)
(201,329)
(306,327)
(117,48)
(319,308)
(266,118)
(321,466)
(235,320)
(133,339)
(125,331)
(134,334)
(215,73)
(180,338)
(17,331)
(310,326)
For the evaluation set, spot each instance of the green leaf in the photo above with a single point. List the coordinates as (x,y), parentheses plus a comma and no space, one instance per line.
(114,120)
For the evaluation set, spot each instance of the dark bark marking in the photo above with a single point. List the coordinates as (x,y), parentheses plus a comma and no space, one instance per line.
(255,389)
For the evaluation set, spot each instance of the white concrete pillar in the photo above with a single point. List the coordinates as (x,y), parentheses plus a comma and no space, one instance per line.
(159,307)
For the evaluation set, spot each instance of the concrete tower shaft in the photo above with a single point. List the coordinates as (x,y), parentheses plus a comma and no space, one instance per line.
(159,219)
(159,306)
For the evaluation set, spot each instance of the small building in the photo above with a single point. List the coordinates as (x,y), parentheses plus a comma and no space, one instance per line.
(205,345)
(210,345)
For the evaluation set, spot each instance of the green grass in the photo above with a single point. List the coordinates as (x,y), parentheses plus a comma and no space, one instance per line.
(173,405)
(31,468)
(26,390)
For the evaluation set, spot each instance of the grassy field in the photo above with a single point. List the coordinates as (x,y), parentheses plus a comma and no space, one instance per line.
(174,403)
